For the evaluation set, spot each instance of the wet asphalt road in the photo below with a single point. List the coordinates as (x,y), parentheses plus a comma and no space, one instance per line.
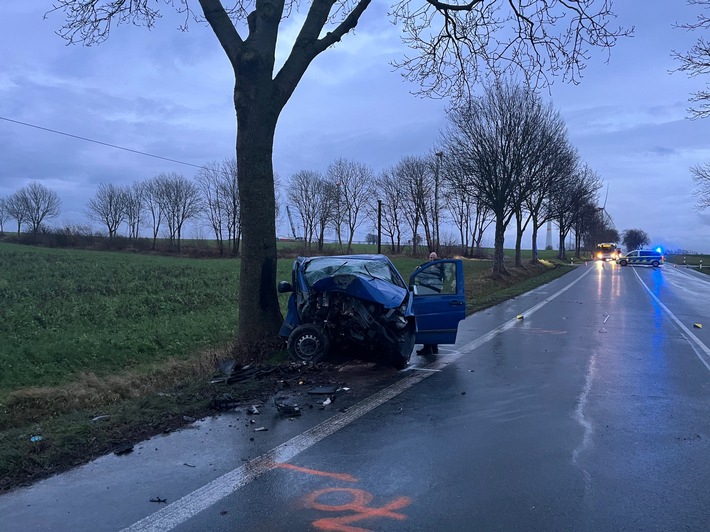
(591,412)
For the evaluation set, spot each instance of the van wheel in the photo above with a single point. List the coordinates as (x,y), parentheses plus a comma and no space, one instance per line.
(308,343)
(655,264)
(622,262)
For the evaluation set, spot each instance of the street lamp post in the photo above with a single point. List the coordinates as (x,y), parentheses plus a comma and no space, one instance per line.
(439,155)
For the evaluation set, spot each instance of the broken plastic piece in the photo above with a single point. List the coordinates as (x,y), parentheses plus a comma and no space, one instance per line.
(519,316)
(327,402)
(698,325)
(260,429)
(252,410)
(225,402)
(158,499)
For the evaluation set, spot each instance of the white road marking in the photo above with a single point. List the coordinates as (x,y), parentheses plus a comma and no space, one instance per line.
(581,418)
(187,507)
(689,336)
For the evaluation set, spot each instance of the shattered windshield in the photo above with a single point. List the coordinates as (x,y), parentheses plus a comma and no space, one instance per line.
(319,268)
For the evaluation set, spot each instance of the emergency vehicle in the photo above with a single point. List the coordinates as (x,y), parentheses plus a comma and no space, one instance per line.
(607,251)
(650,257)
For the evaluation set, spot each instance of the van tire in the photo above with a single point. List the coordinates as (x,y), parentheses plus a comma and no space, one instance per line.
(622,262)
(308,343)
(655,264)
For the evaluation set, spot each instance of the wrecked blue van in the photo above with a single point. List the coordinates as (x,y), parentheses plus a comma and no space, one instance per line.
(362,300)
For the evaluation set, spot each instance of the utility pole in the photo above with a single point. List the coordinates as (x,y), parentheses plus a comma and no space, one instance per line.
(439,155)
(379,226)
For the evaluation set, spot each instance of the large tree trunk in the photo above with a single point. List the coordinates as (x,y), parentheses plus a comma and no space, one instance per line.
(259,313)
(499,253)
(534,259)
(519,230)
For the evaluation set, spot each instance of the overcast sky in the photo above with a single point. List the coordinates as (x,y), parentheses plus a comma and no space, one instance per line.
(169,93)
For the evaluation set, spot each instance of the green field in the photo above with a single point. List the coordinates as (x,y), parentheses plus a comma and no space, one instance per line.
(63,312)
(692,261)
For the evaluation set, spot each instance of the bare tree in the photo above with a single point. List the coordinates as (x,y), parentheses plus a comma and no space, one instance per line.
(210,179)
(326,197)
(569,199)
(701,177)
(635,238)
(388,189)
(4,215)
(415,178)
(108,207)
(550,158)
(16,210)
(491,136)
(39,203)
(230,194)
(181,201)
(484,219)
(135,208)
(460,202)
(354,185)
(154,203)
(696,61)
(303,194)
(534,36)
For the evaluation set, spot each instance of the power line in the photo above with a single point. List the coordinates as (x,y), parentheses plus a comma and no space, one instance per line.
(99,142)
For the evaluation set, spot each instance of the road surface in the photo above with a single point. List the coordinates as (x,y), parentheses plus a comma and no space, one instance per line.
(582,405)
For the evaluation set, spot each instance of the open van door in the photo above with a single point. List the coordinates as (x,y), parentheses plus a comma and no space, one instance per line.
(439,301)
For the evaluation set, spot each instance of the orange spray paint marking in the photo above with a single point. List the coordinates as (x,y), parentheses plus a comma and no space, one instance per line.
(358,504)
(339,476)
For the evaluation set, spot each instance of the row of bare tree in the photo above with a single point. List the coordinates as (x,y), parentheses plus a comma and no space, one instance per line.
(169,200)
(505,155)
(165,202)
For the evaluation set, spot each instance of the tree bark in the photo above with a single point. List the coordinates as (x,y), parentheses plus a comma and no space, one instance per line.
(499,253)
(256,125)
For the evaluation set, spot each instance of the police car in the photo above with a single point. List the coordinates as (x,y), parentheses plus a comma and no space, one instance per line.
(642,256)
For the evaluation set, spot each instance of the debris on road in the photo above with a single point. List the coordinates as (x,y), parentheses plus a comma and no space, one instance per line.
(286,409)
(100,418)
(229,372)
(260,429)
(224,402)
(252,410)
(158,499)
(323,390)
(698,325)
(35,439)
(123,449)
